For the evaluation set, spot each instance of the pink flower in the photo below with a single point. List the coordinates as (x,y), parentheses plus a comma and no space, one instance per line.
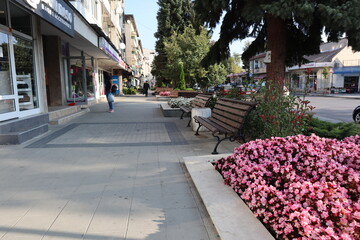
(303,184)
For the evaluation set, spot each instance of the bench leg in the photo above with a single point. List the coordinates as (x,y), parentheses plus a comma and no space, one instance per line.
(182,115)
(217,144)
(197,130)
(189,122)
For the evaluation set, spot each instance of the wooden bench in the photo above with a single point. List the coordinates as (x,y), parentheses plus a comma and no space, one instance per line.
(227,118)
(200,101)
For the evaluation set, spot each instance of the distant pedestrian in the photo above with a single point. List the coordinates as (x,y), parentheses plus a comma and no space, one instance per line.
(146,88)
(109,95)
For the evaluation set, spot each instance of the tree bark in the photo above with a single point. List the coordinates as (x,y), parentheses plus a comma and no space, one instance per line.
(276,33)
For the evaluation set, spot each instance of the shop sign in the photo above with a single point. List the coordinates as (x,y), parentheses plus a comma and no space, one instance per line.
(56,12)
(110,51)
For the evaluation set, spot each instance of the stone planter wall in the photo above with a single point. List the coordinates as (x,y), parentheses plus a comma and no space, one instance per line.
(170,112)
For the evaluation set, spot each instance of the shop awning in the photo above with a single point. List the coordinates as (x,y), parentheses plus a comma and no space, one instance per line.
(347,70)
(260,76)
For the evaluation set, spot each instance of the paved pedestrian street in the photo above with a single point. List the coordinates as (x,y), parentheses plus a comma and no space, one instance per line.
(106,176)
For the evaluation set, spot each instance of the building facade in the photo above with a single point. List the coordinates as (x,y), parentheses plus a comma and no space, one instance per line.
(335,69)
(134,51)
(147,66)
(257,67)
(53,54)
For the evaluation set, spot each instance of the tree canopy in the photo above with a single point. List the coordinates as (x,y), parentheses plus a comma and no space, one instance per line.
(172,16)
(189,48)
(289,29)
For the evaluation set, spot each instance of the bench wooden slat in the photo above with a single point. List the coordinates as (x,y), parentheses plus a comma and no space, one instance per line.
(203,97)
(199,104)
(243,105)
(211,125)
(236,118)
(236,112)
(225,122)
(200,101)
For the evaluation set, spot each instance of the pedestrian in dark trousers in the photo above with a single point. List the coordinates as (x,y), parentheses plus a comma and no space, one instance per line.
(109,97)
(146,88)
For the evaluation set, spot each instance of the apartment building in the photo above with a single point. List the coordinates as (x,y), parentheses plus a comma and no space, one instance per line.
(258,66)
(53,54)
(134,51)
(148,59)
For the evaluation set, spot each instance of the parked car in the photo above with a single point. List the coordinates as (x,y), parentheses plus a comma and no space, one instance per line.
(356,115)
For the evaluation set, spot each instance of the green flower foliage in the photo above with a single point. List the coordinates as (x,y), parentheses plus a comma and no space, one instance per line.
(277,115)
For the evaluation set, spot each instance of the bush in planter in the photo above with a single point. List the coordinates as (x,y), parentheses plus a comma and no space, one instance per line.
(301,187)
(180,101)
(125,90)
(278,115)
(332,130)
(129,91)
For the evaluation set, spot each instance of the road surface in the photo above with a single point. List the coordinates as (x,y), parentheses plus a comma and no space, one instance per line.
(333,109)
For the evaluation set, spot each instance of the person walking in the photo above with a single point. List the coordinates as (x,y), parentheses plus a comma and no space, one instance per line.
(109,96)
(146,88)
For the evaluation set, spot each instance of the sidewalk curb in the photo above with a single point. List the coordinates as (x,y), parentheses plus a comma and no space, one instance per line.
(231,217)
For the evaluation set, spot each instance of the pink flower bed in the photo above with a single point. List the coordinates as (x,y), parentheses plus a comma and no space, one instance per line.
(300,187)
(166,93)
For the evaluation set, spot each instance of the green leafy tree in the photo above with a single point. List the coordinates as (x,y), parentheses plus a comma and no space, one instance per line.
(181,83)
(289,29)
(173,16)
(232,64)
(216,75)
(189,48)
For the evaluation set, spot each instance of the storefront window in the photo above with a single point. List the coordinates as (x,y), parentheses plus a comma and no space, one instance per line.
(6,86)
(25,79)
(3,13)
(7,106)
(90,80)
(295,81)
(75,91)
(20,20)
(351,84)
(75,82)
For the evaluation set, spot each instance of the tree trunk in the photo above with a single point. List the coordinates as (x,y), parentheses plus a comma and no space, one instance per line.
(276,33)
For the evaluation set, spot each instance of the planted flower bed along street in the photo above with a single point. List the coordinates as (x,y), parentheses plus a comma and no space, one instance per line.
(300,187)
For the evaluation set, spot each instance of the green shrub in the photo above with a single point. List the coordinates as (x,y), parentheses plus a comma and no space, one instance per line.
(129,91)
(332,130)
(277,115)
(125,90)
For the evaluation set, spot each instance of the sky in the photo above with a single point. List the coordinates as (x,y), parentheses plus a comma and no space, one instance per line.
(145,12)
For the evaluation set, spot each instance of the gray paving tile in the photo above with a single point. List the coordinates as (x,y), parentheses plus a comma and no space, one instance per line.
(104,176)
